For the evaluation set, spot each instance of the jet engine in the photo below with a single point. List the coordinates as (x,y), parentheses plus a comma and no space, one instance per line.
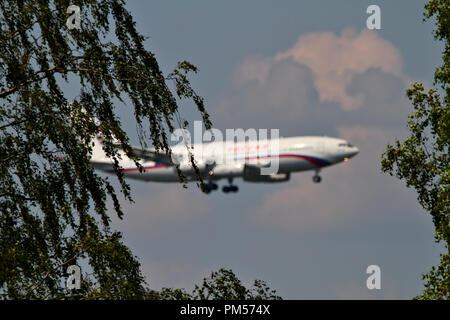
(253,174)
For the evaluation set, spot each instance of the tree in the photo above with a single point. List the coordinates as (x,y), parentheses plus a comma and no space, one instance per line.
(221,285)
(422,159)
(52,204)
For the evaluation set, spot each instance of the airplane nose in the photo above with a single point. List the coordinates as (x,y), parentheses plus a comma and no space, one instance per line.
(351,153)
(354,152)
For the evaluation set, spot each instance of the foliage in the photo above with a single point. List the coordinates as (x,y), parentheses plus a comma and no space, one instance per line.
(422,159)
(222,285)
(52,204)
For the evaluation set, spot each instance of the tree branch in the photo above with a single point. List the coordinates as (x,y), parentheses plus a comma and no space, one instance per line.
(57,69)
(30,290)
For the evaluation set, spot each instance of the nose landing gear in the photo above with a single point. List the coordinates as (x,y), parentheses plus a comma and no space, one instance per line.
(316,178)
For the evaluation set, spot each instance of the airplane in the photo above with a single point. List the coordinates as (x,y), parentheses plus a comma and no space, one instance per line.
(294,154)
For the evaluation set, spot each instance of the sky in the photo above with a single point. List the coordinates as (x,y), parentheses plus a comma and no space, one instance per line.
(306,68)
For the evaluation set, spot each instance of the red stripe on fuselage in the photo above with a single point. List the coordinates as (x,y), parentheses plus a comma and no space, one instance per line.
(309,159)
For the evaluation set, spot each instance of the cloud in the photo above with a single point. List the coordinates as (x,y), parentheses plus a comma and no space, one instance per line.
(266,93)
(383,97)
(336,60)
(322,82)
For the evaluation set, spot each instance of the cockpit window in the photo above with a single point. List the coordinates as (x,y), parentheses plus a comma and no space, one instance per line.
(345,145)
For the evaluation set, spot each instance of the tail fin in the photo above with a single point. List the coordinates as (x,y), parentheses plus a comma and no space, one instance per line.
(98,155)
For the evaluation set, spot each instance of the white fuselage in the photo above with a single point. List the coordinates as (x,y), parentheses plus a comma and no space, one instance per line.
(217,160)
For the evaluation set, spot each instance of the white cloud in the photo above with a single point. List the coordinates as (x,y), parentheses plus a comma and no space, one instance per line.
(336,60)
(323,81)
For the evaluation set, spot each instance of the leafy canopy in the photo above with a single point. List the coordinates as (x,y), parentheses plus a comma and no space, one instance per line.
(422,159)
(52,203)
(221,285)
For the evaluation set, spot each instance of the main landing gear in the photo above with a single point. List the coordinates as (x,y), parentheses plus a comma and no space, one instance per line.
(227,189)
(211,186)
(230,188)
(316,178)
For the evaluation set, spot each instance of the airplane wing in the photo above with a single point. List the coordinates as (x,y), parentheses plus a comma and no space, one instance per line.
(152,155)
